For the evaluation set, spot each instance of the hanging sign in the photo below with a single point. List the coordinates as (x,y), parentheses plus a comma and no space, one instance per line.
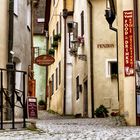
(44,60)
(128,43)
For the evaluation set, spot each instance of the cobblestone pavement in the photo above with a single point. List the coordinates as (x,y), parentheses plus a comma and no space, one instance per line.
(54,127)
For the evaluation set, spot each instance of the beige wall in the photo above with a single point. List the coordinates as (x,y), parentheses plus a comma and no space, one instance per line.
(105,89)
(3,32)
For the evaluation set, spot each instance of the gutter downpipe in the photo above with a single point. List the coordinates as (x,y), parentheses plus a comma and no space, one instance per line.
(136,29)
(91,60)
(115,30)
(10,32)
(65,61)
(10,65)
(136,47)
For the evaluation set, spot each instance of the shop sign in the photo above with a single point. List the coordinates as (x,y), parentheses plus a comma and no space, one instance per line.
(44,60)
(128,43)
(32,108)
(105,45)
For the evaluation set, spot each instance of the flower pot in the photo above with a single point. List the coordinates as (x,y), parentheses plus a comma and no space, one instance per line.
(41,107)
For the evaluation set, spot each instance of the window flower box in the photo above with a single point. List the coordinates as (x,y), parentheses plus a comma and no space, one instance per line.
(57,37)
(54,44)
(73,50)
(80,40)
(114,76)
(51,51)
(41,105)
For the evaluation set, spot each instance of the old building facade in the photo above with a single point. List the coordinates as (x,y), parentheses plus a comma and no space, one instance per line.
(59,73)
(97,65)
(15,42)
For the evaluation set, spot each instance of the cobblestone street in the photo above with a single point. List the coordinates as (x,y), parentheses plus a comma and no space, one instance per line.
(54,127)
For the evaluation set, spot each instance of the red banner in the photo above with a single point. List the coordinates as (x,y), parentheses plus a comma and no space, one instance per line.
(128,43)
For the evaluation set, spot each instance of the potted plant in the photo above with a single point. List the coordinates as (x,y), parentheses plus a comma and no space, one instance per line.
(57,37)
(80,40)
(54,44)
(41,105)
(51,51)
(73,51)
(114,76)
(101,112)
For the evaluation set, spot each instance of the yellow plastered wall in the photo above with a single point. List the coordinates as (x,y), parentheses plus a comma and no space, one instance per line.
(56,101)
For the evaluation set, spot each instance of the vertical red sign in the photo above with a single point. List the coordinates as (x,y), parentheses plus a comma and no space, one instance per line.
(128,43)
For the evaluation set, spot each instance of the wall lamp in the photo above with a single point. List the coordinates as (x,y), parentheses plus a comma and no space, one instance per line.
(110,12)
(72,28)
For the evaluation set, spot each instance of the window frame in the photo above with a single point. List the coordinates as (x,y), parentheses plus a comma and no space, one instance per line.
(59,72)
(29,16)
(16,6)
(77,88)
(56,78)
(82,23)
(108,66)
(52,84)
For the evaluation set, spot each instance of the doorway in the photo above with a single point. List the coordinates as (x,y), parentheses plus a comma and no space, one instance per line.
(85,99)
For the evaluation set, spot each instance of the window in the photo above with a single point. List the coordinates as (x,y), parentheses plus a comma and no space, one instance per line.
(114,68)
(59,73)
(16,7)
(77,87)
(53,33)
(111,67)
(36,52)
(29,16)
(56,78)
(57,28)
(53,2)
(60,24)
(82,23)
(52,84)
(40,20)
(51,40)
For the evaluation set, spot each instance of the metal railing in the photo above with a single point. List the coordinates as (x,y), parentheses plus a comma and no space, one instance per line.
(13,97)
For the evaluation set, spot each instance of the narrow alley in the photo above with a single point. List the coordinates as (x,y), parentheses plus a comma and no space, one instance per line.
(55,127)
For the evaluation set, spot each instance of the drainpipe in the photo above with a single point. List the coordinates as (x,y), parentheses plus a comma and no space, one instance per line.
(46,69)
(136,29)
(32,49)
(10,33)
(65,56)
(91,60)
(136,46)
(10,65)
(110,14)
(115,30)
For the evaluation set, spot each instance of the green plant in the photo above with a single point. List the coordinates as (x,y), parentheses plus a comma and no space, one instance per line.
(113,76)
(51,51)
(54,44)
(119,119)
(41,102)
(101,112)
(57,37)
